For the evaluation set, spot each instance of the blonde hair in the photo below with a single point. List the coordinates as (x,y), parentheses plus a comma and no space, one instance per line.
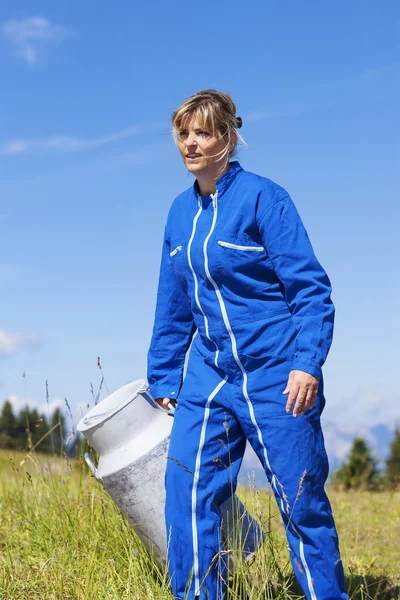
(216,112)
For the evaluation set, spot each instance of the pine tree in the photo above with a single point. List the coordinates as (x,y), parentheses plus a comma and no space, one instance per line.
(57,439)
(42,429)
(360,470)
(7,426)
(22,429)
(392,475)
(38,427)
(33,424)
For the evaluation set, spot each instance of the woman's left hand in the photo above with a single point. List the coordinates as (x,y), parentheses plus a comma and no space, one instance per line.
(304,387)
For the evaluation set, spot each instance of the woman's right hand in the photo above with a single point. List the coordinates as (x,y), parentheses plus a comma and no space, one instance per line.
(163,402)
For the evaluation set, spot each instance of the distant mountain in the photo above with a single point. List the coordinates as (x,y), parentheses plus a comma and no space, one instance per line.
(368,406)
(369,413)
(338,441)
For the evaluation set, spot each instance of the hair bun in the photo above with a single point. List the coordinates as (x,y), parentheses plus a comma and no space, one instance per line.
(239,122)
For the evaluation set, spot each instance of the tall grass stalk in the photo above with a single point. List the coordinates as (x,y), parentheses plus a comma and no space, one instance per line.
(62,538)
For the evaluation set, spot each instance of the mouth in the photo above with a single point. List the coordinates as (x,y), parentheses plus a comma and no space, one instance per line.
(193,156)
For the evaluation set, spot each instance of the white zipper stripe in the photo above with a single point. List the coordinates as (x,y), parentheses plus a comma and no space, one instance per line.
(194,488)
(249,404)
(237,247)
(177,249)
(214,199)
(196,283)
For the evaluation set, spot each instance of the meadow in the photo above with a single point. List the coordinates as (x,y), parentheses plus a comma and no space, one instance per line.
(62,538)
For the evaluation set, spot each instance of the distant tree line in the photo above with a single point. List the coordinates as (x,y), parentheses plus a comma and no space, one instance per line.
(360,470)
(30,430)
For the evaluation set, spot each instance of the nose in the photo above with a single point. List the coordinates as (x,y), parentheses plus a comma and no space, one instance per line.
(190,140)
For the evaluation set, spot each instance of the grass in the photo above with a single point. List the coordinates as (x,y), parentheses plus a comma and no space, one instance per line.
(62,538)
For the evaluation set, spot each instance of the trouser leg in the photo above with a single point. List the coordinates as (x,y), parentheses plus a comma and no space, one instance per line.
(293,455)
(205,453)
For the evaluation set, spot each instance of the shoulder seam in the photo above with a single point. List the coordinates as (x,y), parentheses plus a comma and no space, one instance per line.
(284,195)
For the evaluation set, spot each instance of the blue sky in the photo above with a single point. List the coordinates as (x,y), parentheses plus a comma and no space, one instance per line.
(89,170)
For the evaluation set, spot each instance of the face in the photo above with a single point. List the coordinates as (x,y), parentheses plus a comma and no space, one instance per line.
(200,149)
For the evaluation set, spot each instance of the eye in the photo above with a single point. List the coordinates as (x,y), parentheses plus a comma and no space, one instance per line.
(204,134)
(182,135)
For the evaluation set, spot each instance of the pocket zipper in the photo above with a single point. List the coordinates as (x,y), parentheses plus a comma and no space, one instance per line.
(236,247)
(177,249)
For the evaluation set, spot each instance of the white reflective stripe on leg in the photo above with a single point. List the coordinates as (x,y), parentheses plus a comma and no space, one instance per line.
(195,482)
(297,534)
(196,283)
(249,404)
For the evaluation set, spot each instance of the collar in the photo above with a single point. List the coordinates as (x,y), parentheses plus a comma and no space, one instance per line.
(224,181)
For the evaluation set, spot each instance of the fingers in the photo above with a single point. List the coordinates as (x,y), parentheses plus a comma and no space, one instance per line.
(305,399)
(287,388)
(293,392)
(164,402)
(302,388)
(300,406)
(309,401)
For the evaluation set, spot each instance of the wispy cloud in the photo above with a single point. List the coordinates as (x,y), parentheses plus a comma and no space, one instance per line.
(305,99)
(47,408)
(360,78)
(28,34)
(18,403)
(70,143)
(10,343)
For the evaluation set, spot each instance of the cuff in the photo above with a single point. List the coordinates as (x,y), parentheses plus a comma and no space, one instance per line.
(308,365)
(163,391)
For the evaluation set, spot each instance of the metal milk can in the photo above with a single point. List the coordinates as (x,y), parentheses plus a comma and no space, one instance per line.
(130,432)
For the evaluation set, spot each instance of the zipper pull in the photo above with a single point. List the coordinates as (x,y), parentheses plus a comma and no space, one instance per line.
(177,249)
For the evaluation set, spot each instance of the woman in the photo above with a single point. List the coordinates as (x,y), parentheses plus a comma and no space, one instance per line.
(238,270)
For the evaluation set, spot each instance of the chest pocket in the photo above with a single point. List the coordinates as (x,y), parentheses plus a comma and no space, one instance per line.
(242,248)
(240,261)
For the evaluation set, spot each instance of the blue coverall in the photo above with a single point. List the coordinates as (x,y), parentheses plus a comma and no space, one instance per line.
(240,282)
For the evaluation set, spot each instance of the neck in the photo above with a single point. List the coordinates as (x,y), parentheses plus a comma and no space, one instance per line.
(208,181)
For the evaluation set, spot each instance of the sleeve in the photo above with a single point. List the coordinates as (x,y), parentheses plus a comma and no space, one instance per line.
(172,332)
(307,286)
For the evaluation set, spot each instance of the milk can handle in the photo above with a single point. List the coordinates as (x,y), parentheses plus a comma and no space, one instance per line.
(92,466)
(87,420)
(144,392)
